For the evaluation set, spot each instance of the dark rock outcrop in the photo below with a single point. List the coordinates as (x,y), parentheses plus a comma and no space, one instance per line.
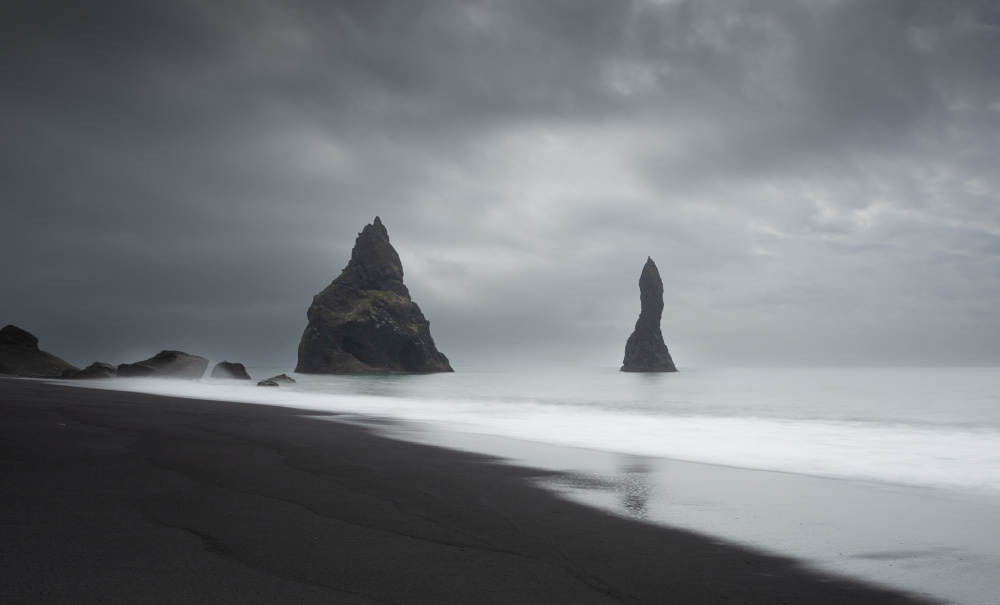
(94,370)
(365,321)
(274,381)
(166,364)
(20,356)
(13,336)
(228,369)
(645,350)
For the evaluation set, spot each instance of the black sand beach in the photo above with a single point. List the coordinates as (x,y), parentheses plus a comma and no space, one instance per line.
(126,498)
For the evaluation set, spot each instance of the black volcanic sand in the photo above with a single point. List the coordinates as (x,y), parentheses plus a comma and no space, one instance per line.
(126,498)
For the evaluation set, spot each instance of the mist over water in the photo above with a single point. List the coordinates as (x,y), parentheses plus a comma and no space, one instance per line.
(936,428)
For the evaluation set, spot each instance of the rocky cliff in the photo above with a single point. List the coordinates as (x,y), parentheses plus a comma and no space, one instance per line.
(20,356)
(365,321)
(645,350)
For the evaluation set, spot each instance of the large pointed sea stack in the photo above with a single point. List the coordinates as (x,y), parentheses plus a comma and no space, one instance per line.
(645,350)
(365,321)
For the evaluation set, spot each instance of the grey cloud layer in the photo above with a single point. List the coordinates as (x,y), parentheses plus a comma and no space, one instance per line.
(815,179)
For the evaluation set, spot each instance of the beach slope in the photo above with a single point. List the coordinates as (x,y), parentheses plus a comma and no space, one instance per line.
(130,498)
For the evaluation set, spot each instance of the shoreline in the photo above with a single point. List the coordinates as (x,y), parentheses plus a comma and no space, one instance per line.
(431,432)
(142,498)
(918,539)
(919,447)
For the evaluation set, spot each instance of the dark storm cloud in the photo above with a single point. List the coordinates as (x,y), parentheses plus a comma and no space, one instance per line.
(814,179)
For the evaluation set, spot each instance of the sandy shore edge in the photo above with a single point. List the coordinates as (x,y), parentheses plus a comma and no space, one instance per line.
(121,497)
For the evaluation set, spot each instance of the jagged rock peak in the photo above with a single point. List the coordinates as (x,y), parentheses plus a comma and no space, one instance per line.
(374,263)
(365,321)
(645,350)
(650,293)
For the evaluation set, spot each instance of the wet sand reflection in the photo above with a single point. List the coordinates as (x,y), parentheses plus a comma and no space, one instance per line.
(633,486)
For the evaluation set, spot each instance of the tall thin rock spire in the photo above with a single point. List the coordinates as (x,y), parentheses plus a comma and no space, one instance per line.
(645,350)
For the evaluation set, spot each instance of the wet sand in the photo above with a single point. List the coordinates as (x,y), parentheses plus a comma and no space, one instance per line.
(931,542)
(128,498)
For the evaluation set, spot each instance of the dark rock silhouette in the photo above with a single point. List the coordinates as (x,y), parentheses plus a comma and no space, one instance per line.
(645,350)
(274,381)
(365,321)
(20,356)
(166,364)
(94,370)
(13,336)
(228,369)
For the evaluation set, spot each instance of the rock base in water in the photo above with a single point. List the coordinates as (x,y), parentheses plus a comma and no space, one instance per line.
(230,370)
(166,364)
(274,381)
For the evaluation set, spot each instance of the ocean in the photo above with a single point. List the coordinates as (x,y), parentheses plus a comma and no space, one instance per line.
(889,475)
(937,428)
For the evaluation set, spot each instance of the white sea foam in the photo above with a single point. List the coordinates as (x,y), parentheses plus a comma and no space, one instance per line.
(948,437)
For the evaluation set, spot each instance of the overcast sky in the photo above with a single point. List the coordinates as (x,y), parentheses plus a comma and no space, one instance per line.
(817,181)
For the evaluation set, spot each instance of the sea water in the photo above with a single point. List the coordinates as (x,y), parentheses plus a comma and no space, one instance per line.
(937,428)
(885,475)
